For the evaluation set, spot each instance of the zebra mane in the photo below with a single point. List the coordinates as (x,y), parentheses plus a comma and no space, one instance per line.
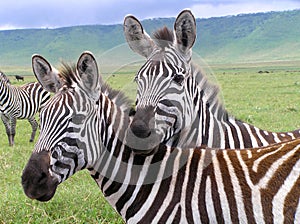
(211,92)
(4,78)
(163,37)
(116,96)
(67,73)
(68,76)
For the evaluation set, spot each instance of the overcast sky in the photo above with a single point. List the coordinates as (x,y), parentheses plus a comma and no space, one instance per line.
(62,13)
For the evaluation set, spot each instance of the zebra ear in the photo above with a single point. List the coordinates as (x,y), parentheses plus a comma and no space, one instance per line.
(185,30)
(88,72)
(138,40)
(45,74)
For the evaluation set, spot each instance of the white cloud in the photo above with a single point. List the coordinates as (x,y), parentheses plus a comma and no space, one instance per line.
(206,10)
(58,13)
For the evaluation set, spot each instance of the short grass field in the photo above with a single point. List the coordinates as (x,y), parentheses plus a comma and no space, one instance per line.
(266,95)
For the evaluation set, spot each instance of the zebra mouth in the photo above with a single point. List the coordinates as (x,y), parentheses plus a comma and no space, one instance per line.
(39,193)
(48,196)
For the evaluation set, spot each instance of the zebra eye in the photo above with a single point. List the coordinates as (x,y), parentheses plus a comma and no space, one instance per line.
(178,79)
(78,119)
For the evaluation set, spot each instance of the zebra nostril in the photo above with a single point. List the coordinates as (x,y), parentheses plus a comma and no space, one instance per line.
(140,129)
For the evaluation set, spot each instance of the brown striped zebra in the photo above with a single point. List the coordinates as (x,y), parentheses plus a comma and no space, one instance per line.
(177,101)
(84,125)
(20,102)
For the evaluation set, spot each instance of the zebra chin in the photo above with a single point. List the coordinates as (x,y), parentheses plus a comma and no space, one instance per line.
(37,181)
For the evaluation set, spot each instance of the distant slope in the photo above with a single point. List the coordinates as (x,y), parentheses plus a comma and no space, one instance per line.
(17,46)
(252,37)
(243,38)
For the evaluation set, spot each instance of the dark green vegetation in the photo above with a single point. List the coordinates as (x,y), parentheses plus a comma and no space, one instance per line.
(249,37)
(266,95)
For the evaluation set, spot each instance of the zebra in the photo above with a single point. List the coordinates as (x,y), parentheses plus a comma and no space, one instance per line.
(176,100)
(84,126)
(20,103)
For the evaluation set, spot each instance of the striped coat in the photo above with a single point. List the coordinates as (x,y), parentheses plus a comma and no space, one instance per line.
(84,128)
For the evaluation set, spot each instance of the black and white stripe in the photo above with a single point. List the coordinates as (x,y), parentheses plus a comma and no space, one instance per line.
(20,103)
(205,186)
(169,185)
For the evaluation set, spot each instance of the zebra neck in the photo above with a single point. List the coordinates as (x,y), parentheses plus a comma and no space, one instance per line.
(211,125)
(225,132)
(239,134)
(114,120)
(129,174)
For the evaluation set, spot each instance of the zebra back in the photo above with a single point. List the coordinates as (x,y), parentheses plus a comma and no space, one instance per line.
(25,101)
(21,101)
(37,94)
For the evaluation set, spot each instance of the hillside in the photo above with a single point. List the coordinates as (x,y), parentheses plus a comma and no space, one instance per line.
(243,38)
(252,37)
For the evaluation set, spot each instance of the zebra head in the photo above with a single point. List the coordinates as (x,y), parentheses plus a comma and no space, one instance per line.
(161,80)
(64,140)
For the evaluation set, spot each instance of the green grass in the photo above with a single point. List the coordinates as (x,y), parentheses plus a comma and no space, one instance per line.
(77,200)
(269,100)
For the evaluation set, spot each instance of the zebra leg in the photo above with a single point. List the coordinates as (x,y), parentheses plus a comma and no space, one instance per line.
(13,122)
(9,129)
(34,126)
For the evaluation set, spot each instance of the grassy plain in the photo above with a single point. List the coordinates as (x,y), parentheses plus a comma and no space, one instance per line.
(266,95)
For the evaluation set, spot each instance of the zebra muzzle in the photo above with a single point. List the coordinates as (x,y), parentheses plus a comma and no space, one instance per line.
(140,129)
(143,123)
(142,135)
(36,180)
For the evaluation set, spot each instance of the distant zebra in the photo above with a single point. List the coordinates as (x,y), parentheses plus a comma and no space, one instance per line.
(20,103)
(82,127)
(176,101)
